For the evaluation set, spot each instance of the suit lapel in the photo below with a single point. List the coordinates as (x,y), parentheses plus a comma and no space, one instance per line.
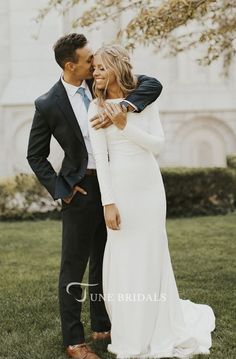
(65,107)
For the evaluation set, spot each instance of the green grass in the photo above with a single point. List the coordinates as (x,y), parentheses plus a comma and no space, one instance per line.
(203,256)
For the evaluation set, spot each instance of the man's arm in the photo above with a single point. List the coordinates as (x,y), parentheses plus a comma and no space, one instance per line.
(147,91)
(38,152)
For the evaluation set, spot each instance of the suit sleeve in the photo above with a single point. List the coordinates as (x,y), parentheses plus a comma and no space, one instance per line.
(100,150)
(151,140)
(147,91)
(38,152)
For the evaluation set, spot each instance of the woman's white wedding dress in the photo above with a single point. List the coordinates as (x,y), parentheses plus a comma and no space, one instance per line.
(148,318)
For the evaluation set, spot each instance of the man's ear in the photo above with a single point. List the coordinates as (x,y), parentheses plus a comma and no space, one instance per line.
(69,66)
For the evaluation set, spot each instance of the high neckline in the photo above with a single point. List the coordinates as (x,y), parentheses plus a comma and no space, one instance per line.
(115,99)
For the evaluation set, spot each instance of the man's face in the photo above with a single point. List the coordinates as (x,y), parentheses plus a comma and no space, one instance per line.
(83,70)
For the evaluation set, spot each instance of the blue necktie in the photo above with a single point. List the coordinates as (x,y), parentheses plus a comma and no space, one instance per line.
(86,100)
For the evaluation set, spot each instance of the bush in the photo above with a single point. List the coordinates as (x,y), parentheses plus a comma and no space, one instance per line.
(23,197)
(231,161)
(189,192)
(199,191)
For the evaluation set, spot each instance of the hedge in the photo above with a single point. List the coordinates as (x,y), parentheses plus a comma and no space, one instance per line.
(231,161)
(189,192)
(199,191)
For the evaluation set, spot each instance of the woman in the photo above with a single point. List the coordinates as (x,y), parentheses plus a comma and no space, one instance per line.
(148,318)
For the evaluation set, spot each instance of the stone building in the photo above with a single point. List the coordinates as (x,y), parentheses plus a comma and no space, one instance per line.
(198,105)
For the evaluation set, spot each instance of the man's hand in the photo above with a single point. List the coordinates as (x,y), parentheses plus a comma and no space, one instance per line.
(69,198)
(100,121)
(117,114)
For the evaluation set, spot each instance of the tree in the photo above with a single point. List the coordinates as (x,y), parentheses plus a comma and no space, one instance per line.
(172,25)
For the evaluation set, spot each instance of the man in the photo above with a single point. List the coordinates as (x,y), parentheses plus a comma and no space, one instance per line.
(62,112)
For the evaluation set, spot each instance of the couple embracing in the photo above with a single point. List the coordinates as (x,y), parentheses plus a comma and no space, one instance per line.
(113,208)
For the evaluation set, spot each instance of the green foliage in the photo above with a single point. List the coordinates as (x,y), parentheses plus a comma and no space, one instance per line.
(199,191)
(212,24)
(23,197)
(231,161)
(189,192)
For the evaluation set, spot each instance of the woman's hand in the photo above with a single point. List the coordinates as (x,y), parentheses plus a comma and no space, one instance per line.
(112,216)
(117,114)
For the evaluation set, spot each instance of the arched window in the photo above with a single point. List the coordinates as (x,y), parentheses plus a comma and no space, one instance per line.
(203,154)
(204,142)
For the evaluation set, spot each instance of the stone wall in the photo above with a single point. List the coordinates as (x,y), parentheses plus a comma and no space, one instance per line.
(198,107)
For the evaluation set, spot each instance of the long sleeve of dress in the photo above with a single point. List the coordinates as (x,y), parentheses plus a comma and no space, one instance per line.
(100,151)
(152,140)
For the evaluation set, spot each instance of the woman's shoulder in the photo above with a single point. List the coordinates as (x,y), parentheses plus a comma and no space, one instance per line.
(94,102)
(93,108)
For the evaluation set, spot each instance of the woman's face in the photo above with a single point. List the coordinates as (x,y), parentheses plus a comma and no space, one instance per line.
(104,78)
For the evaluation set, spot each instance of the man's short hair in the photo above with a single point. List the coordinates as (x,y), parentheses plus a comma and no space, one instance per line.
(65,48)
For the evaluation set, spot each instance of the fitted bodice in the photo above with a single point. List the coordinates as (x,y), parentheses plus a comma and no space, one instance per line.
(117,151)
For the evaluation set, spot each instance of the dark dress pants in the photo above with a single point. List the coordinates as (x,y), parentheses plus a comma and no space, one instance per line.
(83,238)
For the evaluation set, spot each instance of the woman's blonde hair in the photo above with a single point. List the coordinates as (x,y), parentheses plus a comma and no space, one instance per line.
(116,58)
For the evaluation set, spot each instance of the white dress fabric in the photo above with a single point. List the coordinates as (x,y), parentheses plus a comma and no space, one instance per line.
(148,318)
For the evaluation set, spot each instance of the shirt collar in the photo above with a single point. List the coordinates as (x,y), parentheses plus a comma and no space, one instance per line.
(71,89)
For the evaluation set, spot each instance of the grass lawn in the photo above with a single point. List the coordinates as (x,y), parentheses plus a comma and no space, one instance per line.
(203,256)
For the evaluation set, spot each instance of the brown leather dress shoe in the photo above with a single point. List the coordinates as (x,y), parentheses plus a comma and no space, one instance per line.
(101,335)
(81,351)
